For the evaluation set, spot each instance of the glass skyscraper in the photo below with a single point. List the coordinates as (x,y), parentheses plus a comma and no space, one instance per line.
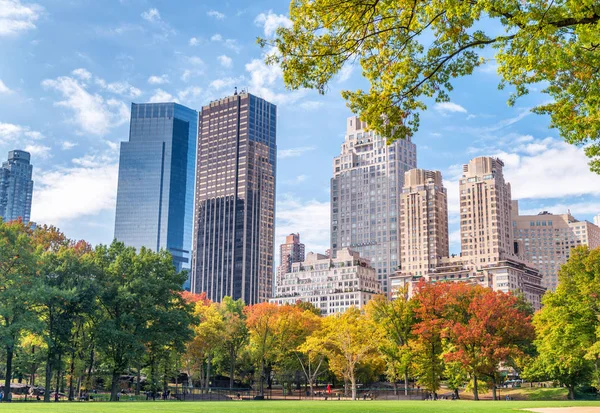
(16,187)
(155,195)
(235,199)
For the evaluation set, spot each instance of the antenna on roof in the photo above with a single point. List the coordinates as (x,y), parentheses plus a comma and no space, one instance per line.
(235,92)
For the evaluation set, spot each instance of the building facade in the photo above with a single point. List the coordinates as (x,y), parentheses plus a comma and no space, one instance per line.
(423,221)
(290,252)
(16,187)
(155,193)
(331,284)
(235,199)
(490,256)
(365,196)
(546,240)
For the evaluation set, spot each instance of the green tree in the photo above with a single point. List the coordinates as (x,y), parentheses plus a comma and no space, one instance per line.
(18,283)
(568,325)
(410,51)
(235,334)
(396,319)
(136,294)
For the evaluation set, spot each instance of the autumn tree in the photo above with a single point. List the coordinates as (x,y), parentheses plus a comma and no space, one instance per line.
(486,329)
(349,340)
(209,331)
(235,333)
(411,51)
(261,321)
(427,344)
(568,325)
(396,319)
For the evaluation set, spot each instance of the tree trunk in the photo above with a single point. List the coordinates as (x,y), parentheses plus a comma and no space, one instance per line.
(207,384)
(89,384)
(262,376)
(406,383)
(494,395)
(71,374)
(571,389)
(138,379)
(9,360)
(395,384)
(48,383)
(114,388)
(231,367)
(353,382)
(475,390)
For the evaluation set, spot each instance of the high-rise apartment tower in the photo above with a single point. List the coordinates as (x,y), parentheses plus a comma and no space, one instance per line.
(290,252)
(365,196)
(235,199)
(155,196)
(16,187)
(423,221)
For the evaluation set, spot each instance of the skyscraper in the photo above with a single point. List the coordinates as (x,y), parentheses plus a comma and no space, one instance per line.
(16,187)
(365,196)
(490,257)
(290,252)
(235,199)
(423,221)
(156,180)
(485,212)
(546,240)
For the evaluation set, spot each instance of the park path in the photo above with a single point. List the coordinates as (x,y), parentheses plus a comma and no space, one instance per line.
(580,409)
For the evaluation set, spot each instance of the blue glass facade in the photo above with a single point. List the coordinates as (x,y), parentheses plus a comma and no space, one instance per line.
(155,196)
(16,187)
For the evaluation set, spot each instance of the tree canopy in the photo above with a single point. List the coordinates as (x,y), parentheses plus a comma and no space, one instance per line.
(411,51)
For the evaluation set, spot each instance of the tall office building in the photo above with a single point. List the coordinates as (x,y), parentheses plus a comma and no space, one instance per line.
(290,252)
(365,196)
(423,221)
(16,187)
(235,199)
(546,240)
(155,195)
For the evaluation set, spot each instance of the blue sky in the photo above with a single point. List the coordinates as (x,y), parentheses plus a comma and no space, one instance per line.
(69,71)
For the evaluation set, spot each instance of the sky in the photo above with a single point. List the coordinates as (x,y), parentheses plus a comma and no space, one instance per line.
(69,70)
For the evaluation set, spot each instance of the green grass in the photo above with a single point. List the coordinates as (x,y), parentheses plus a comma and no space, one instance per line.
(440,406)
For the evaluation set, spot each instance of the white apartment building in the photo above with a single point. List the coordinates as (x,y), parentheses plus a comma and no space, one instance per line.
(331,284)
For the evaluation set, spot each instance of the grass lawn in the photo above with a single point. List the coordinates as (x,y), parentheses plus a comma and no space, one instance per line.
(440,406)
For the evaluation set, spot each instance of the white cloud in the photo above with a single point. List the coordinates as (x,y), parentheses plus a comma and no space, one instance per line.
(158,80)
(39,151)
(4,88)
(195,68)
(194,41)
(217,15)
(294,152)
(189,93)
(225,61)
(310,105)
(227,82)
(449,107)
(231,44)
(309,218)
(93,113)
(17,17)
(82,74)
(345,73)
(271,22)
(10,132)
(577,208)
(162,96)
(65,194)
(151,15)
(66,145)
(119,88)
